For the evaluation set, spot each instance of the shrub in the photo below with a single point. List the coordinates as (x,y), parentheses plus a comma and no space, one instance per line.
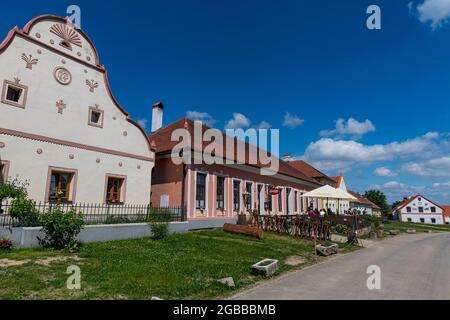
(159,225)
(341,229)
(24,212)
(60,228)
(13,189)
(5,244)
(117,220)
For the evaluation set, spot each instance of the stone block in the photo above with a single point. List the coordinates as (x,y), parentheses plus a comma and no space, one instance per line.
(266,267)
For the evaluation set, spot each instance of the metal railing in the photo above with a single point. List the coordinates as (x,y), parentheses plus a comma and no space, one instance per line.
(94,213)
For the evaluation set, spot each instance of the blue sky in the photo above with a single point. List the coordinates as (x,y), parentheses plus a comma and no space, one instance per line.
(314,61)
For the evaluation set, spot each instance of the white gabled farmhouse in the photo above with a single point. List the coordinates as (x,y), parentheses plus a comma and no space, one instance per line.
(419,209)
(61,128)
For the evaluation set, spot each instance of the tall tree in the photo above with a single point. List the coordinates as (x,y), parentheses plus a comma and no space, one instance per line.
(379,198)
(396,203)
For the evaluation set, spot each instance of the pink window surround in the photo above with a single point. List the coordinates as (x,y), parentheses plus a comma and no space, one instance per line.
(5,171)
(124,186)
(102,117)
(7,84)
(73,185)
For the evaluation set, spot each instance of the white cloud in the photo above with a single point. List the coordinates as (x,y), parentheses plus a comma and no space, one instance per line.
(239,121)
(438,167)
(351,127)
(329,154)
(393,185)
(143,123)
(437,12)
(438,185)
(384,172)
(292,121)
(204,117)
(264,125)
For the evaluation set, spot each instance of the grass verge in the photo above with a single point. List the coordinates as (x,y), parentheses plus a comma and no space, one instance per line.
(182,266)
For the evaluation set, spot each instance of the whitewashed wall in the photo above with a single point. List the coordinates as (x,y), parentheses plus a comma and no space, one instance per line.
(427,215)
(40,117)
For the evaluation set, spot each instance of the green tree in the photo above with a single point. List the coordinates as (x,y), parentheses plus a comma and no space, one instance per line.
(396,203)
(379,198)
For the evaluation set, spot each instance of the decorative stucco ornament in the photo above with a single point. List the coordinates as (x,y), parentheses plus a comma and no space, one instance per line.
(68,35)
(29,61)
(60,105)
(63,76)
(92,84)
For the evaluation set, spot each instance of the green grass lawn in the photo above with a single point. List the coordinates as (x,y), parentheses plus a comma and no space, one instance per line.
(419,227)
(183,266)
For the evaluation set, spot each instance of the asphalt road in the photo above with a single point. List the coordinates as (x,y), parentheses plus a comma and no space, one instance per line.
(412,267)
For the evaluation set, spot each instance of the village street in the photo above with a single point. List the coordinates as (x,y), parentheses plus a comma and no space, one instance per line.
(412,267)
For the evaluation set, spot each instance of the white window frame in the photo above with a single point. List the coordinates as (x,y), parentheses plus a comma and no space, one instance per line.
(206,192)
(240,196)
(252,204)
(225,189)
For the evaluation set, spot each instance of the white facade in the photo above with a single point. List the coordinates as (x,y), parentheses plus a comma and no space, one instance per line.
(420,210)
(66,119)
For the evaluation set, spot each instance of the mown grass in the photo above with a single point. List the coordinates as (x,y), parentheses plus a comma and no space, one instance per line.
(419,227)
(183,266)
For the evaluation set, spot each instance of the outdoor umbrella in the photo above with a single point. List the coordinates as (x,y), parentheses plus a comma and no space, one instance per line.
(328,192)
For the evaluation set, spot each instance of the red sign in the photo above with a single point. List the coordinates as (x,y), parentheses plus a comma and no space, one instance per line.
(274,191)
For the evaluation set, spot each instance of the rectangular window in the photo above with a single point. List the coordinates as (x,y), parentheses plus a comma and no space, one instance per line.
(421,209)
(60,186)
(280,200)
(200,199)
(14,93)
(96,117)
(409,219)
(302,207)
(433,209)
(4,168)
(220,205)
(288,199)
(296,201)
(236,195)
(114,190)
(269,200)
(259,188)
(248,196)
(408,209)
(433,220)
(422,220)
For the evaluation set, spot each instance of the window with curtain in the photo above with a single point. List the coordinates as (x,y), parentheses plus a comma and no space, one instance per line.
(60,186)
(114,190)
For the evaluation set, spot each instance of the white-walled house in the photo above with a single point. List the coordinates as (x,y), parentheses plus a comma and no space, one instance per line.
(61,128)
(419,209)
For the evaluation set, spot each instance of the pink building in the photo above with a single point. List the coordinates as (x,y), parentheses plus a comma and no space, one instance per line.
(226,190)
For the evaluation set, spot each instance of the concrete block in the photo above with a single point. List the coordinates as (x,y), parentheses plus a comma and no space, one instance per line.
(266,267)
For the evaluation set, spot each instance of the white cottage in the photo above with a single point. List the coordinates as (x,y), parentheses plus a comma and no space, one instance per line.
(61,128)
(419,209)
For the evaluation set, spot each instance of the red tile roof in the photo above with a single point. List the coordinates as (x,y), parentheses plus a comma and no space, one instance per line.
(410,199)
(338,180)
(363,200)
(307,169)
(164,144)
(446,211)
